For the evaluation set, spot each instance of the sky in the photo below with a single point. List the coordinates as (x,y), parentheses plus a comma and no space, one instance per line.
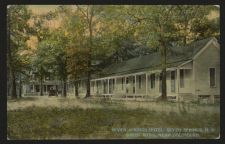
(41,9)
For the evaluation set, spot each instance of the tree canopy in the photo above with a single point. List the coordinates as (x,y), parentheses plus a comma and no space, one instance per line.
(88,34)
(17,35)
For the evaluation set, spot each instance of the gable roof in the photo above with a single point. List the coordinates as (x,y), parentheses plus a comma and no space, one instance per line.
(191,49)
(175,57)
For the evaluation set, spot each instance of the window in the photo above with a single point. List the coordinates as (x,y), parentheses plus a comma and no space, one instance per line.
(127,81)
(37,87)
(105,86)
(97,85)
(93,85)
(45,88)
(113,82)
(31,87)
(111,85)
(212,75)
(134,84)
(152,78)
(139,81)
(172,81)
(182,78)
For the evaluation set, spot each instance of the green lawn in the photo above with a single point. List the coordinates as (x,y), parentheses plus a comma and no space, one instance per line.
(71,123)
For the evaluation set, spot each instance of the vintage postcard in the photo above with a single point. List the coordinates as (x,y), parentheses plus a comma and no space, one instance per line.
(113,72)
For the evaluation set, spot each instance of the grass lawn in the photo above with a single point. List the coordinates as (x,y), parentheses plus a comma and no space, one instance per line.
(36,122)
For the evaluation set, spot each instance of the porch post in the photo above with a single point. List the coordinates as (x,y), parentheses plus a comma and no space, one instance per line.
(95,86)
(91,86)
(92,91)
(100,87)
(74,89)
(33,88)
(115,85)
(81,86)
(125,86)
(178,84)
(108,85)
(135,82)
(193,79)
(39,89)
(146,83)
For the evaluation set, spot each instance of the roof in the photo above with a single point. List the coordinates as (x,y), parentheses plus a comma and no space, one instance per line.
(176,56)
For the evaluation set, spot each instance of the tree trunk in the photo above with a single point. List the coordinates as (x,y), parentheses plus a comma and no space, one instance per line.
(13,84)
(8,87)
(164,86)
(41,86)
(88,87)
(163,62)
(56,90)
(12,79)
(64,88)
(88,94)
(20,88)
(76,89)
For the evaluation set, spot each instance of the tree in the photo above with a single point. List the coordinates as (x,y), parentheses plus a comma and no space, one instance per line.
(90,33)
(88,14)
(81,30)
(192,23)
(58,53)
(156,22)
(73,44)
(51,56)
(159,26)
(100,35)
(42,32)
(17,34)
(41,63)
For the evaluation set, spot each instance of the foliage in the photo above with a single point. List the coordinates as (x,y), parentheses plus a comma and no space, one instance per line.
(183,23)
(110,33)
(17,34)
(161,26)
(74,29)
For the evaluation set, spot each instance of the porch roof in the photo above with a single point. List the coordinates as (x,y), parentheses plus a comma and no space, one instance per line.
(176,56)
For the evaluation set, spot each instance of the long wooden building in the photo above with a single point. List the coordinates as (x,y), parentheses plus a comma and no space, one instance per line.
(193,73)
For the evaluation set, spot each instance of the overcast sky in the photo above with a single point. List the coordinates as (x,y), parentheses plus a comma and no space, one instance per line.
(40,9)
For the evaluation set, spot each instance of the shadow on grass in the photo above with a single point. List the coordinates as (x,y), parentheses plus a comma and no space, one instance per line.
(22,99)
(51,123)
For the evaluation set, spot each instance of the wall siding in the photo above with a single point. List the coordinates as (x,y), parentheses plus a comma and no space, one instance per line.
(209,58)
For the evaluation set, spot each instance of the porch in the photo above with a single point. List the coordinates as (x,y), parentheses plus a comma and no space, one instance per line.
(34,88)
(144,85)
